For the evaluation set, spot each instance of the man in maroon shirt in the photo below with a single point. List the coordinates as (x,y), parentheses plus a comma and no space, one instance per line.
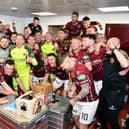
(74,27)
(7,72)
(87,23)
(83,97)
(96,53)
(38,38)
(61,78)
(91,30)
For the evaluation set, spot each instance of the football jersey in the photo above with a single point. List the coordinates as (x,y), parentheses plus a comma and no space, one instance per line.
(47,48)
(23,68)
(82,56)
(5,77)
(81,75)
(61,74)
(97,60)
(35,29)
(74,29)
(63,46)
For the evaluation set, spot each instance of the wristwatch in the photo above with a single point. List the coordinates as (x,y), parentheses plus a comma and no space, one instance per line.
(113,49)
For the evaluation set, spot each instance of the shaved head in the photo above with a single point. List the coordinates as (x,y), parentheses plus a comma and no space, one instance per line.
(115,41)
(68,63)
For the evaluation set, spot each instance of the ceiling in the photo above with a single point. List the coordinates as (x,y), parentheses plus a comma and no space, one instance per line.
(60,7)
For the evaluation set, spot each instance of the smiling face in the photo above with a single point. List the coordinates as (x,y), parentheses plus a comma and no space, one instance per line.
(19,41)
(74,18)
(91,30)
(75,45)
(31,40)
(48,37)
(13,38)
(100,38)
(87,42)
(51,60)
(27,31)
(61,35)
(86,23)
(8,69)
(36,22)
(38,36)
(4,43)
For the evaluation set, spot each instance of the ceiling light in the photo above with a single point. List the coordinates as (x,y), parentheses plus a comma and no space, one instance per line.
(14,8)
(114,9)
(44,13)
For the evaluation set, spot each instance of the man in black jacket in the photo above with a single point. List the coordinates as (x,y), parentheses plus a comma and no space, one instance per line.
(112,93)
(35,27)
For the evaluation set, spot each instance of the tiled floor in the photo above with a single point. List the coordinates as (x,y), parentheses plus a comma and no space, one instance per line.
(122,117)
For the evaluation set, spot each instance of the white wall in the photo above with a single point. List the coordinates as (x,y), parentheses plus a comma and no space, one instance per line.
(61,20)
(103,18)
(20,22)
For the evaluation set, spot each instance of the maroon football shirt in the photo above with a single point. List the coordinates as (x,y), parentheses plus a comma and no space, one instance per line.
(61,74)
(97,59)
(64,46)
(82,56)
(5,77)
(81,75)
(92,23)
(74,29)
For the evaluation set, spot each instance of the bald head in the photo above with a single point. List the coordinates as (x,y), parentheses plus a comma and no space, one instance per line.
(68,63)
(114,41)
(76,43)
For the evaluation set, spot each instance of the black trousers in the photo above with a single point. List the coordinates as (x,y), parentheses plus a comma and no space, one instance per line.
(105,114)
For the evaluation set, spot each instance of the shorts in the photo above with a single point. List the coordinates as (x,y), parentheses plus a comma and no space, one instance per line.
(36,80)
(98,86)
(58,83)
(86,111)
